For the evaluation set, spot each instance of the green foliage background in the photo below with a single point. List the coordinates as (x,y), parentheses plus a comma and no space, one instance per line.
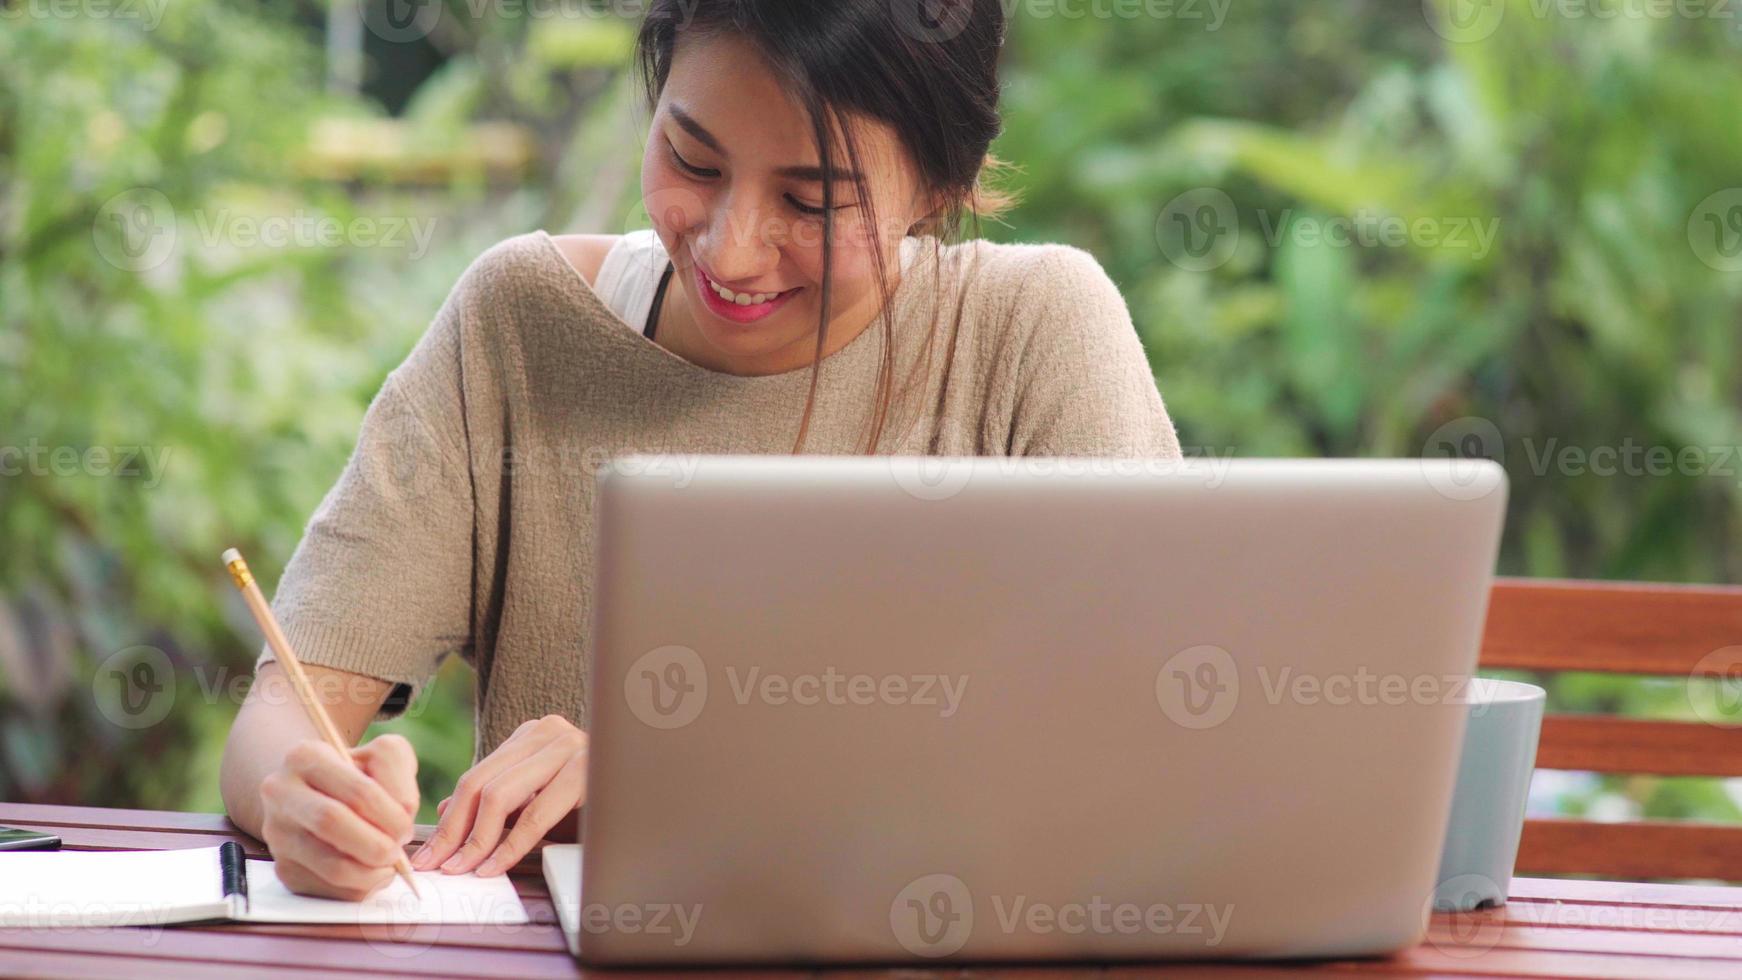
(1605,313)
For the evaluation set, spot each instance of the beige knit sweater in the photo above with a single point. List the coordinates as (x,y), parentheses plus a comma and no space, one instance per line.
(463,522)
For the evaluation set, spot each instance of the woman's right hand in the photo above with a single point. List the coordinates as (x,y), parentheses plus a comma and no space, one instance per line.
(335,829)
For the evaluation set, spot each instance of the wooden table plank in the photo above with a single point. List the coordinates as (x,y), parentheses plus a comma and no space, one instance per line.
(1628,892)
(244,946)
(1550,928)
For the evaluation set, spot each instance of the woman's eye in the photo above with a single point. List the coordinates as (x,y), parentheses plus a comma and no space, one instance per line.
(814,209)
(687,166)
(804,208)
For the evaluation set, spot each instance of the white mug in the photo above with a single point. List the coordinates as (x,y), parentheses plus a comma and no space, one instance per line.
(1494,772)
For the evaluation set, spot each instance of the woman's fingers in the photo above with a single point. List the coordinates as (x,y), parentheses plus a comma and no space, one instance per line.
(312,867)
(325,794)
(507,793)
(390,761)
(558,800)
(457,817)
(339,826)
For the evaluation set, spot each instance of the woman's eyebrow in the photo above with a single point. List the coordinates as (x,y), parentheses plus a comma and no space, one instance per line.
(695,129)
(701,134)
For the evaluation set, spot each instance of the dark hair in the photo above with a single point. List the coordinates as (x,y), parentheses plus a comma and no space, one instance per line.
(932,78)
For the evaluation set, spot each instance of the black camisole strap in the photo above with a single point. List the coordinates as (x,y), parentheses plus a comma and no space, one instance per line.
(658,301)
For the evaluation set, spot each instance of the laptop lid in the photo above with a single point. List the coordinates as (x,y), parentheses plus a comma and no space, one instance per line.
(874,709)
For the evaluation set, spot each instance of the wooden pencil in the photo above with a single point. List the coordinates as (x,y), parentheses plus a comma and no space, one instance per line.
(305,692)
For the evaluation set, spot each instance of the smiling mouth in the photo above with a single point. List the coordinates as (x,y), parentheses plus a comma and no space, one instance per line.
(739,307)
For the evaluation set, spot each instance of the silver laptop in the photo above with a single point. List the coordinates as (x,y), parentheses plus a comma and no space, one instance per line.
(911,710)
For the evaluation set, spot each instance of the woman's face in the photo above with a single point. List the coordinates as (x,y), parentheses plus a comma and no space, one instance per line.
(730,182)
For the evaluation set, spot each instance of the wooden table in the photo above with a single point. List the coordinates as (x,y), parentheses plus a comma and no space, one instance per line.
(1550,928)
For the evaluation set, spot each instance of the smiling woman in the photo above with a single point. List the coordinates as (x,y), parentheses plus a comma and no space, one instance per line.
(809,172)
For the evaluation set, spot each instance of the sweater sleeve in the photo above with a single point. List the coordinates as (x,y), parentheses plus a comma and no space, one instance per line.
(380,583)
(1085,387)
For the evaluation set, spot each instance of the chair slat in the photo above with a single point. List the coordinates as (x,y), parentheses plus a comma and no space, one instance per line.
(1611,627)
(1643,849)
(1631,745)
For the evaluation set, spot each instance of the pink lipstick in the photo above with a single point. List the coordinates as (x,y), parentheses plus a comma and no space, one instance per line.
(729,309)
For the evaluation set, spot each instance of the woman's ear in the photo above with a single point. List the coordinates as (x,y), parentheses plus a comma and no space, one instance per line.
(933,206)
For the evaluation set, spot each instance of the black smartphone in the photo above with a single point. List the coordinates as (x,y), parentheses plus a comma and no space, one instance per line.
(18,839)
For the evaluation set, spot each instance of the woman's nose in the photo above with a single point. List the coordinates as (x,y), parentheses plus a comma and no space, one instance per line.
(744,242)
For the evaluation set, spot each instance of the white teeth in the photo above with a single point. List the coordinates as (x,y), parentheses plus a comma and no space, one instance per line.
(742,299)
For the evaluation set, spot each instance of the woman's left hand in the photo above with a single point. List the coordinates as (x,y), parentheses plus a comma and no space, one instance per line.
(540,771)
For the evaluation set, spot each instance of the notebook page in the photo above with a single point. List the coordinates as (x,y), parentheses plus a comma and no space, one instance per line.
(44,889)
(466,899)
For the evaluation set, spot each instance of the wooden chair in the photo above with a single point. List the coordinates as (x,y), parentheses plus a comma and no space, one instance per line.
(1622,628)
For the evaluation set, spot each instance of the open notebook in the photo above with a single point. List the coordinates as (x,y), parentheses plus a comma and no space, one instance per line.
(48,889)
